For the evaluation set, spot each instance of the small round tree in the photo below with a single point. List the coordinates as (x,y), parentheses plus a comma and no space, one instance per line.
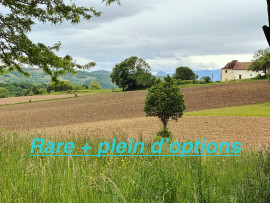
(3,92)
(165,101)
(95,85)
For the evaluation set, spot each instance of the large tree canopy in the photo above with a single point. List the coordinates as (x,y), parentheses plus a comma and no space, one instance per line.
(184,73)
(132,73)
(261,61)
(16,20)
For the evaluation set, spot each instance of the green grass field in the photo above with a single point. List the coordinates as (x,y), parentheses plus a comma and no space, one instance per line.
(257,110)
(128,179)
(190,84)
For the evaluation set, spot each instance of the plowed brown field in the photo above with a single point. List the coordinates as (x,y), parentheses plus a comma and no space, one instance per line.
(16,100)
(122,113)
(125,105)
(252,132)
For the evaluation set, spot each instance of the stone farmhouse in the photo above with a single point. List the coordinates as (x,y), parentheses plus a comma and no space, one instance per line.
(237,70)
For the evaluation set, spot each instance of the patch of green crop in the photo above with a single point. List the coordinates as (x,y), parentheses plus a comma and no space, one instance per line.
(256,110)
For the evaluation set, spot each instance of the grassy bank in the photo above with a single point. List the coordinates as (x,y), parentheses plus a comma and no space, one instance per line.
(258,110)
(85,91)
(189,83)
(128,179)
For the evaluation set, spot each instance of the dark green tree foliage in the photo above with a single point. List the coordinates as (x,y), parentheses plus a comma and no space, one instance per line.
(144,80)
(132,73)
(261,61)
(3,92)
(22,89)
(165,101)
(206,79)
(35,90)
(17,50)
(63,86)
(184,73)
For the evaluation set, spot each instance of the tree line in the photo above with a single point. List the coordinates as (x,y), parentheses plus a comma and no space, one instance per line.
(28,89)
(134,73)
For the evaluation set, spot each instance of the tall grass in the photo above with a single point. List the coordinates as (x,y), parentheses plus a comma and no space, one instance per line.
(128,179)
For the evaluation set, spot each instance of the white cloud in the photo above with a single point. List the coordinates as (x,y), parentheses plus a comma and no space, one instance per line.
(199,34)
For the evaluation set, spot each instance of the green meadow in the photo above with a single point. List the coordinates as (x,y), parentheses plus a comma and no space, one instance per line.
(257,110)
(128,179)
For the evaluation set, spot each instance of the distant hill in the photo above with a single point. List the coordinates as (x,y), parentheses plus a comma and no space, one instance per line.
(85,78)
(81,78)
(161,74)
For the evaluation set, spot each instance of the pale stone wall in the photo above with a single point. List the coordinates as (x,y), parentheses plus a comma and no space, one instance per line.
(235,74)
(245,74)
(227,74)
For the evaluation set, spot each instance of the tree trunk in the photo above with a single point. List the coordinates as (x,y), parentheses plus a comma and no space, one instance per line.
(164,122)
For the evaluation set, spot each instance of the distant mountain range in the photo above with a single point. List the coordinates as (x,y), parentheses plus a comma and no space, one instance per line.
(215,75)
(81,78)
(161,74)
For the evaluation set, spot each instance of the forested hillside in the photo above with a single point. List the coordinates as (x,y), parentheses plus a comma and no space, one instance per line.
(81,78)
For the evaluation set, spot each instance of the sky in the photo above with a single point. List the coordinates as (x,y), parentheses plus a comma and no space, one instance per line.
(200,34)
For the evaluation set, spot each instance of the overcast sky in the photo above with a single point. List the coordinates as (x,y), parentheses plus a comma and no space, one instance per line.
(201,34)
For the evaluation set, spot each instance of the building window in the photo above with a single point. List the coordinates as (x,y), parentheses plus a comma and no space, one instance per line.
(250,75)
(226,71)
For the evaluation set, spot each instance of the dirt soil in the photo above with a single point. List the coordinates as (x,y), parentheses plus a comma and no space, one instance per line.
(16,100)
(252,132)
(125,105)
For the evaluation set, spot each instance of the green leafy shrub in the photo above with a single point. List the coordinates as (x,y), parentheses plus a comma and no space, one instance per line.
(163,133)
(95,85)
(184,82)
(80,87)
(3,92)
(206,79)
(35,90)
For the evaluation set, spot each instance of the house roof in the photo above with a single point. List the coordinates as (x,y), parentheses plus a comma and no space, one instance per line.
(235,65)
